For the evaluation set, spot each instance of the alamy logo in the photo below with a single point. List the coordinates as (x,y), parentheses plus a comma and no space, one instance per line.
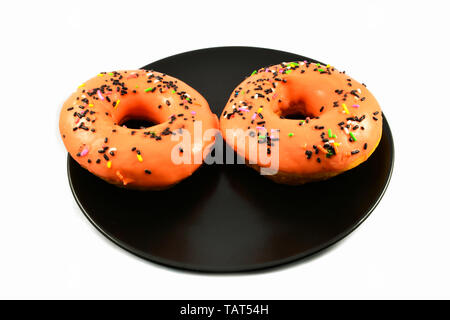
(252,147)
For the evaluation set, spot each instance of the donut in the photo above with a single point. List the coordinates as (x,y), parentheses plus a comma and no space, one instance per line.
(307,122)
(91,125)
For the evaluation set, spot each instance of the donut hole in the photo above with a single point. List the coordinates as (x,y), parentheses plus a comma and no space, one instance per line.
(295,111)
(294,116)
(137,123)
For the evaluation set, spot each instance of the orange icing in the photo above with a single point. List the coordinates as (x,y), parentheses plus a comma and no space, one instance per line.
(91,118)
(327,99)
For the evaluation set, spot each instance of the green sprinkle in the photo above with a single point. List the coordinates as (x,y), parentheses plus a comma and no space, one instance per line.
(334,136)
(290,134)
(261,137)
(111,74)
(148,89)
(353,136)
(318,64)
(254,72)
(288,71)
(320,70)
(330,135)
(188,99)
(173,91)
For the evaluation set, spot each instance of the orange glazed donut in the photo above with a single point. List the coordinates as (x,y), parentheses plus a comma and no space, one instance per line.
(319,120)
(91,127)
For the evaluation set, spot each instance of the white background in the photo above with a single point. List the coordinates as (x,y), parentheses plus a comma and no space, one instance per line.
(48,249)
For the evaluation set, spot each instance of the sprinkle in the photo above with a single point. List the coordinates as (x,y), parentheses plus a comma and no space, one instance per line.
(108,164)
(84,152)
(254,116)
(148,172)
(117,103)
(355,151)
(100,95)
(100,75)
(148,89)
(353,136)
(111,74)
(90,105)
(259,110)
(244,109)
(254,72)
(355,106)
(322,149)
(320,70)
(193,112)
(81,85)
(288,71)
(139,157)
(330,134)
(344,106)
(290,134)
(336,145)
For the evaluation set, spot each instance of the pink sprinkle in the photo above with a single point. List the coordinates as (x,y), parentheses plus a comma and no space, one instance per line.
(267,69)
(243,109)
(131,76)
(193,112)
(100,95)
(274,96)
(355,106)
(254,116)
(84,152)
(260,128)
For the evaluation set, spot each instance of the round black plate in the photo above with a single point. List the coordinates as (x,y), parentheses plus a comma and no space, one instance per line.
(228,218)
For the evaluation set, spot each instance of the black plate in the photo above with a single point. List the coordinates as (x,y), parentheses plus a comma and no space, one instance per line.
(229,218)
